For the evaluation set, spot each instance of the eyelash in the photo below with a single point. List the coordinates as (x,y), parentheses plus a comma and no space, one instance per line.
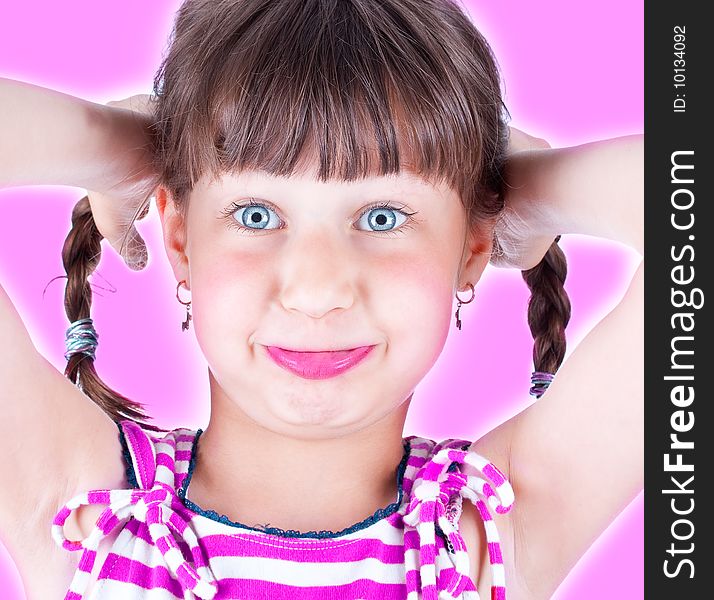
(235,206)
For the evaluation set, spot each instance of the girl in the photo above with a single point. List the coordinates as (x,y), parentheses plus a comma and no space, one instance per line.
(327,176)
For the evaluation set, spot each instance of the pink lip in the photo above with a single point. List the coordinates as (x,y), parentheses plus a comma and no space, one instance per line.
(318,365)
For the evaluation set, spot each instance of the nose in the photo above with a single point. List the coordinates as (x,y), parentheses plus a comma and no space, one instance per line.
(317,275)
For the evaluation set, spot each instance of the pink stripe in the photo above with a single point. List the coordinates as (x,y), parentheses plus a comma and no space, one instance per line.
(72,545)
(427,511)
(86,563)
(498,593)
(494,475)
(483,510)
(451,580)
(265,546)
(363,588)
(183,455)
(427,554)
(411,540)
(456,456)
(432,471)
(120,568)
(163,545)
(465,585)
(178,523)
(238,543)
(494,553)
(416,461)
(164,459)
(304,550)
(185,576)
(61,516)
(141,531)
(457,541)
(179,479)
(98,497)
(196,555)
(108,522)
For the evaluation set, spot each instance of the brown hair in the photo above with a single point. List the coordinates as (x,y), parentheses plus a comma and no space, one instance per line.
(362,87)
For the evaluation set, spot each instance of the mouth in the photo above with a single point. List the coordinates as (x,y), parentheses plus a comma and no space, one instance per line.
(318,365)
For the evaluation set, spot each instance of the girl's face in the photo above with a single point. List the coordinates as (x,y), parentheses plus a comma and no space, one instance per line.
(320,266)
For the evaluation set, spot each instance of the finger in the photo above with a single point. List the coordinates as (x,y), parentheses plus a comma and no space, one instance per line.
(520,140)
(141,103)
(130,246)
(144,210)
(133,250)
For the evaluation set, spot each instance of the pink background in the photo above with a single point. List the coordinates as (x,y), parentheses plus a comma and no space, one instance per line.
(573,73)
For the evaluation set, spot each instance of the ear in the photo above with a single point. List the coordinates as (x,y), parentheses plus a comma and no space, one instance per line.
(174,232)
(474,258)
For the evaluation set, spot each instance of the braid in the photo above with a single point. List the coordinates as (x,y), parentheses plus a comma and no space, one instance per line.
(80,255)
(548,311)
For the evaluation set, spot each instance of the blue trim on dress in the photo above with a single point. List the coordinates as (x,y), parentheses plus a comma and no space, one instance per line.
(292,533)
(130,475)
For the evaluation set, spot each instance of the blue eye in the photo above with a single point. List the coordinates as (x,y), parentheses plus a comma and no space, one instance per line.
(252,217)
(383,217)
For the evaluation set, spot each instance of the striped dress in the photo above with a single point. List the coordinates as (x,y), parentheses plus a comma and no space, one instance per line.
(168,547)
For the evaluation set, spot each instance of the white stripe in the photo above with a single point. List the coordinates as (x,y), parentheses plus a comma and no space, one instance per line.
(428,574)
(184,446)
(305,573)
(164,475)
(476,460)
(505,493)
(287,572)
(426,533)
(295,572)
(122,590)
(174,557)
(80,581)
(475,483)
(499,575)
(164,447)
(462,561)
(119,498)
(426,490)
(491,531)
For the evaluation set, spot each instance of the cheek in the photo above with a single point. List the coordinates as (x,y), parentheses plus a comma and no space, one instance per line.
(421,303)
(226,294)
(409,296)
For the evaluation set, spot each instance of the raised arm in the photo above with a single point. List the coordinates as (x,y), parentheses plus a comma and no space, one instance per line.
(53,439)
(575,457)
(48,137)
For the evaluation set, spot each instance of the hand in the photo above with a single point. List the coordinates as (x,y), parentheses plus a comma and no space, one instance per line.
(520,240)
(115,209)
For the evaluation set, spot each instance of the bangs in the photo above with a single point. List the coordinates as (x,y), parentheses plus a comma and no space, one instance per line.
(337,89)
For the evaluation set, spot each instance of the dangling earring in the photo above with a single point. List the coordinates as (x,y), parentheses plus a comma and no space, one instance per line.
(184,325)
(460,302)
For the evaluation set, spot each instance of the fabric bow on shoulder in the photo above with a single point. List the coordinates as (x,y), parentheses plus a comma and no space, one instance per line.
(434,489)
(155,504)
